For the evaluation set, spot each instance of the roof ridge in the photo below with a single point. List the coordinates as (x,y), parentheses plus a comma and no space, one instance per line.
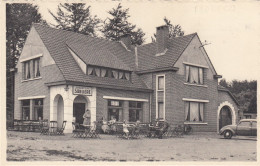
(94,37)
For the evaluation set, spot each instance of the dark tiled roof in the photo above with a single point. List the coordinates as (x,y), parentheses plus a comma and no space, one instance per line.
(146,53)
(56,42)
(221,88)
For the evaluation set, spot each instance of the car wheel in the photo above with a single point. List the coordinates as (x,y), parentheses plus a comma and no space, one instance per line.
(228,134)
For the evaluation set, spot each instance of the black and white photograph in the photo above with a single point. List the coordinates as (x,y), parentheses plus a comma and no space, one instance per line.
(120,82)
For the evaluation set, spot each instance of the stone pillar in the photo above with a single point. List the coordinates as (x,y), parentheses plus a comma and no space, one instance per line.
(93,105)
(68,115)
(126,111)
(145,112)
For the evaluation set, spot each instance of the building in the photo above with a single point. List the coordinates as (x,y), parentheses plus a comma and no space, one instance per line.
(60,74)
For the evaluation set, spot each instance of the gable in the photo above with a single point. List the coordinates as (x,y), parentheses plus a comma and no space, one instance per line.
(194,54)
(34,47)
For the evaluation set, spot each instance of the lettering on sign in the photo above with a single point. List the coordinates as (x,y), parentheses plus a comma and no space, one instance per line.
(79,90)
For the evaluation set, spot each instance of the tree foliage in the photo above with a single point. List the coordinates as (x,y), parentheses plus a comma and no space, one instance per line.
(118,25)
(174,30)
(19,18)
(76,17)
(244,92)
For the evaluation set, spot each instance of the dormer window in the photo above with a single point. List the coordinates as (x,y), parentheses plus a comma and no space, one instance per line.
(194,75)
(107,72)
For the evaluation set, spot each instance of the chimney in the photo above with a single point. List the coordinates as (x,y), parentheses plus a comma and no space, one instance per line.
(162,37)
(126,41)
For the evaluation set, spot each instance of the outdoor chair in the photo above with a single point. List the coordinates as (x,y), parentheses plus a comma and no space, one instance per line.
(61,129)
(44,127)
(119,130)
(93,133)
(77,131)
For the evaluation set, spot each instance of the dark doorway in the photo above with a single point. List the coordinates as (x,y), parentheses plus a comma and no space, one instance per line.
(225,117)
(78,111)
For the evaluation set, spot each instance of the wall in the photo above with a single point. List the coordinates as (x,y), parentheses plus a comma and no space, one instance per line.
(102,109)
(49,73)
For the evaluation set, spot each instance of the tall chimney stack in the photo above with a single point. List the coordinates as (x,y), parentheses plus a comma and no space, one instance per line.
(162,37)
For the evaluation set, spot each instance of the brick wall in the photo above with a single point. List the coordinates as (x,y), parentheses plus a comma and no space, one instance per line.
(102,105)
(49,73)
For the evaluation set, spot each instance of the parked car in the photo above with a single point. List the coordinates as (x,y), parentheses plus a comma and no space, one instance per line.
(246,127)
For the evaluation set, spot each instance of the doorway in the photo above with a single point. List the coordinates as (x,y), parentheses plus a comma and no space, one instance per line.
(78,111)
(225,117)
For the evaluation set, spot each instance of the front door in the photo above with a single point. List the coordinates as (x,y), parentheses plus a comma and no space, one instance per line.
(78,111)
(225,117)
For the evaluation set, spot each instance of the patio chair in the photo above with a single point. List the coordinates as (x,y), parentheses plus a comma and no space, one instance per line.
(93,133)
(61,129)
(77,131)
(44,127)
(119,130)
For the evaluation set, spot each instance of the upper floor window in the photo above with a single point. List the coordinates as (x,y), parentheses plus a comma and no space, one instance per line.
(31,69)
(160,83)
(194,74)
(107,72)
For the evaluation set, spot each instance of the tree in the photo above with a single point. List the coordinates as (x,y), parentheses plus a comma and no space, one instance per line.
(174,30)
(244,92)
(118,25)
(19,18)
(76,17)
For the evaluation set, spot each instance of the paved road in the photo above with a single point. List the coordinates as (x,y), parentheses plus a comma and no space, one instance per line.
(197,147)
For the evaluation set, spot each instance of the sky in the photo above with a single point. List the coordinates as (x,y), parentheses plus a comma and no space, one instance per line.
(231,28)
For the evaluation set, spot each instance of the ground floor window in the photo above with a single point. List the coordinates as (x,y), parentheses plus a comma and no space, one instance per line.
(135,111)
(25,109)
(248,116)
(194,111)
(38,109)
(115,110)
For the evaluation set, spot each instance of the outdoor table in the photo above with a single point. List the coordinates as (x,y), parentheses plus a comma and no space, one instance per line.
(53,127)
(87,129)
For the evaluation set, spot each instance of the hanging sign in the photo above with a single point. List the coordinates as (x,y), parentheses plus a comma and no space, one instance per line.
(80,90)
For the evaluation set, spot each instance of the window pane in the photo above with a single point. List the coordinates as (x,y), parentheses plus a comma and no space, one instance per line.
(160,110)
(25,113)
(194,75)
(132,115)
(139,105)
(25,102)
(161,83)
(244,124)
(194,111)
(200,76)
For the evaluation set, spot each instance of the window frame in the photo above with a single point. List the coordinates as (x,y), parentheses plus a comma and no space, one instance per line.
(188,78)
(134,107)
(202,117)
(30,64)
(158,83)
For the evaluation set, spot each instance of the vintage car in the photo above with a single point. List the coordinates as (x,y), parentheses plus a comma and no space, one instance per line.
(246,127)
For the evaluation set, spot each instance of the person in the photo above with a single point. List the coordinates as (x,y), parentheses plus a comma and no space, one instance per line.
(137,128)
(105,126)
(125,129)
(86,117)
(163,127)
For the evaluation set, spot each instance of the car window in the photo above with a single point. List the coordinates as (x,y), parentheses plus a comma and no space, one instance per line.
(254,124)
(244,124)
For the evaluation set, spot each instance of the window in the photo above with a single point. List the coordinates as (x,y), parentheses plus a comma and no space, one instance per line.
(106,72)
(31,69)
(194,75)
(25,109)
(160,110)
(135,111)
(245,124)
(248,116)
(115,110)
(38,109)
(160,83)
(194,111)
(254,124)
(36,67)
